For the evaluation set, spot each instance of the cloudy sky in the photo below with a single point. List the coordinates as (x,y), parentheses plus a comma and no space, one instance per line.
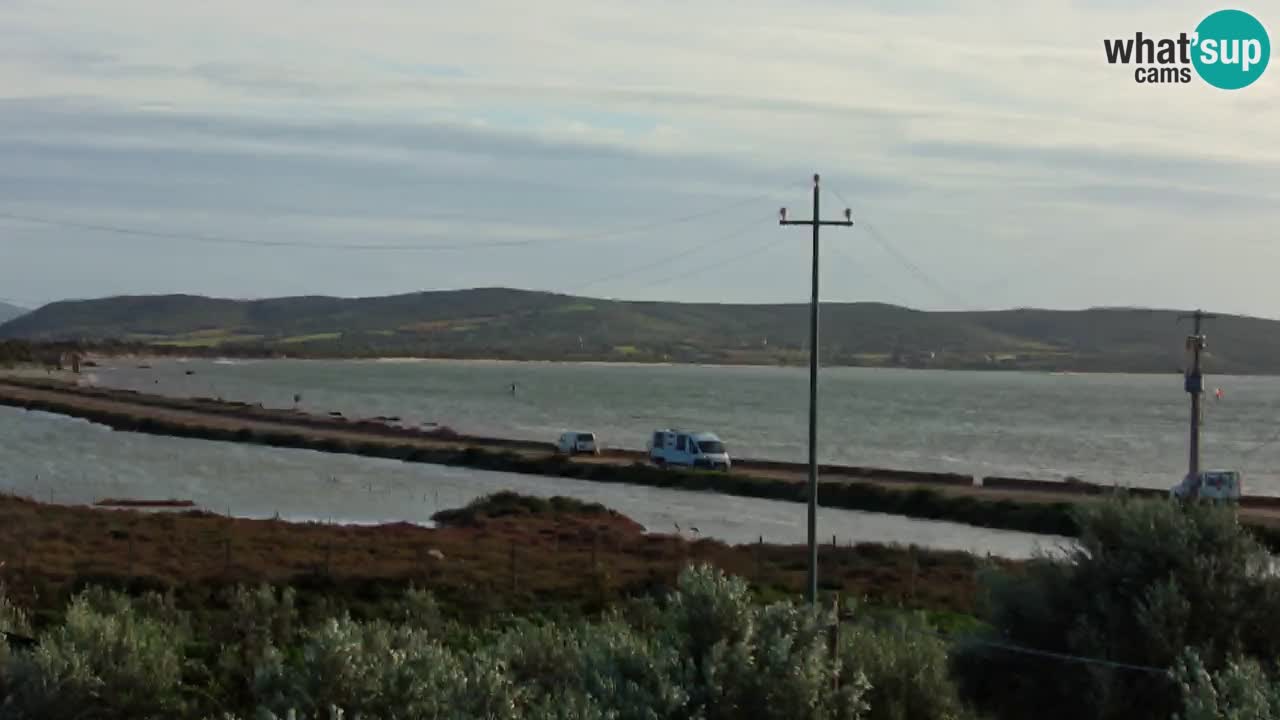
(626,149)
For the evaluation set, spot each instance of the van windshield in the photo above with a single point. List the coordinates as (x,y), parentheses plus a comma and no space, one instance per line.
(711,447)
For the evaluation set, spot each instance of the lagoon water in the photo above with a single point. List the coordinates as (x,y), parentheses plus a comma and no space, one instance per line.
(66,460)
(1107,428)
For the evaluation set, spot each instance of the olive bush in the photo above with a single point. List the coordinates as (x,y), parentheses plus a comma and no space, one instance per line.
(740,660)
(13,619)
(98,665)
(1239,691)
(1146,580)
(258,621)
(907,668)
(606,668)
(379,670)
(708,652)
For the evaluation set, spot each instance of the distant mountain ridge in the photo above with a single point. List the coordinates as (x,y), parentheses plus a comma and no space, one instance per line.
(519,324)
(9,312)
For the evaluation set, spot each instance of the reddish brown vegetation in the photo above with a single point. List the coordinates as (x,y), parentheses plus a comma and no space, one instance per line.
(519,562)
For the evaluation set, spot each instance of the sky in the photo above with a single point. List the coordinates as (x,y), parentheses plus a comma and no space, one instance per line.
(990,155)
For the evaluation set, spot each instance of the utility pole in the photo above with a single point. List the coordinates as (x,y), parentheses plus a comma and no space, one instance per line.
(1195,386)
(811,592)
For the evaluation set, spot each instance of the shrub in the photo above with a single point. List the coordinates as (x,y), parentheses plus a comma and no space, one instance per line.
(377,670)
(1146,580)
(260,620)
(118,665)
(1240,691)
(739,660)
(907,668)
(13,619)
(506,504)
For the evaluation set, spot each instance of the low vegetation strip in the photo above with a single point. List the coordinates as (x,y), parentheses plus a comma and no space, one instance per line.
(504,553)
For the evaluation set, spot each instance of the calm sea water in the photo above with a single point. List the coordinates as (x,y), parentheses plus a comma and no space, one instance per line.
(65,460)
(1129,429)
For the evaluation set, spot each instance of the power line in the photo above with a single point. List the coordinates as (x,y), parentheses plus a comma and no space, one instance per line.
(863,276)
(1069,658)
(667,259)
(245,242)
(1021,649)
(913,267)
(748,253)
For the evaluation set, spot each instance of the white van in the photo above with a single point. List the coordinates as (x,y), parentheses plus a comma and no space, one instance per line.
(688,449)
(1212,485)
(574,443)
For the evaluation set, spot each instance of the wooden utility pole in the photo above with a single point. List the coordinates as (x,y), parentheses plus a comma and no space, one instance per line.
(817,223)
(1195,387)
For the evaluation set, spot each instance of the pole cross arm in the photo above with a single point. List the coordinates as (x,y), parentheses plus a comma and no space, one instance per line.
(841,223)
(816,222)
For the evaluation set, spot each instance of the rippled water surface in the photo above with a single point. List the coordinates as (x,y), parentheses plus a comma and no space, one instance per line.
(1130,429)
(65,460)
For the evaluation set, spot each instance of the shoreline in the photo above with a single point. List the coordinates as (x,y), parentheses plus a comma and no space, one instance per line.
(105,349)
(1019,504)
(93,355)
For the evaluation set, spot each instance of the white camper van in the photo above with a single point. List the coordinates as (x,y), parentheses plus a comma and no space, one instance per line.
(688,449)
(1211,485)
(575,443)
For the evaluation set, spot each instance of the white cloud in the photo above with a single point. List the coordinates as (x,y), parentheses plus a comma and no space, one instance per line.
(979,135)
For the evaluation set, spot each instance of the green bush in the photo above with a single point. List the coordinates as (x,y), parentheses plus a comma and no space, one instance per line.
(907,668)
(13,619)
(100,665)
(1239,691)
(378,670)
(739,660)
(1146,580)
(258,621)
(706,652)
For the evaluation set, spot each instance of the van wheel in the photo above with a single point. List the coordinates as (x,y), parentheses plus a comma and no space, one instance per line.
(660,462)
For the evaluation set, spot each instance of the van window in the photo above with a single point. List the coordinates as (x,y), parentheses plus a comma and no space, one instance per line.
(658,439)
(710,447)
(680,441)
(586,437)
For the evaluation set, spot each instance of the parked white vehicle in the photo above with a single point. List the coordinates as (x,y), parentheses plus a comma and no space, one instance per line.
(1212,485)
(688,449)
(575,443)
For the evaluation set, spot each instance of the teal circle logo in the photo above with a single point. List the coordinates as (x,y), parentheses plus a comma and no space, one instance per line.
(1231,49)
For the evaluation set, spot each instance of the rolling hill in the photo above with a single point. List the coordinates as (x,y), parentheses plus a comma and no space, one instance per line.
(9,312)
(517,324)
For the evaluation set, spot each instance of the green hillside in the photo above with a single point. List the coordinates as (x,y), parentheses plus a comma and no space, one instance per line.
(505,323)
